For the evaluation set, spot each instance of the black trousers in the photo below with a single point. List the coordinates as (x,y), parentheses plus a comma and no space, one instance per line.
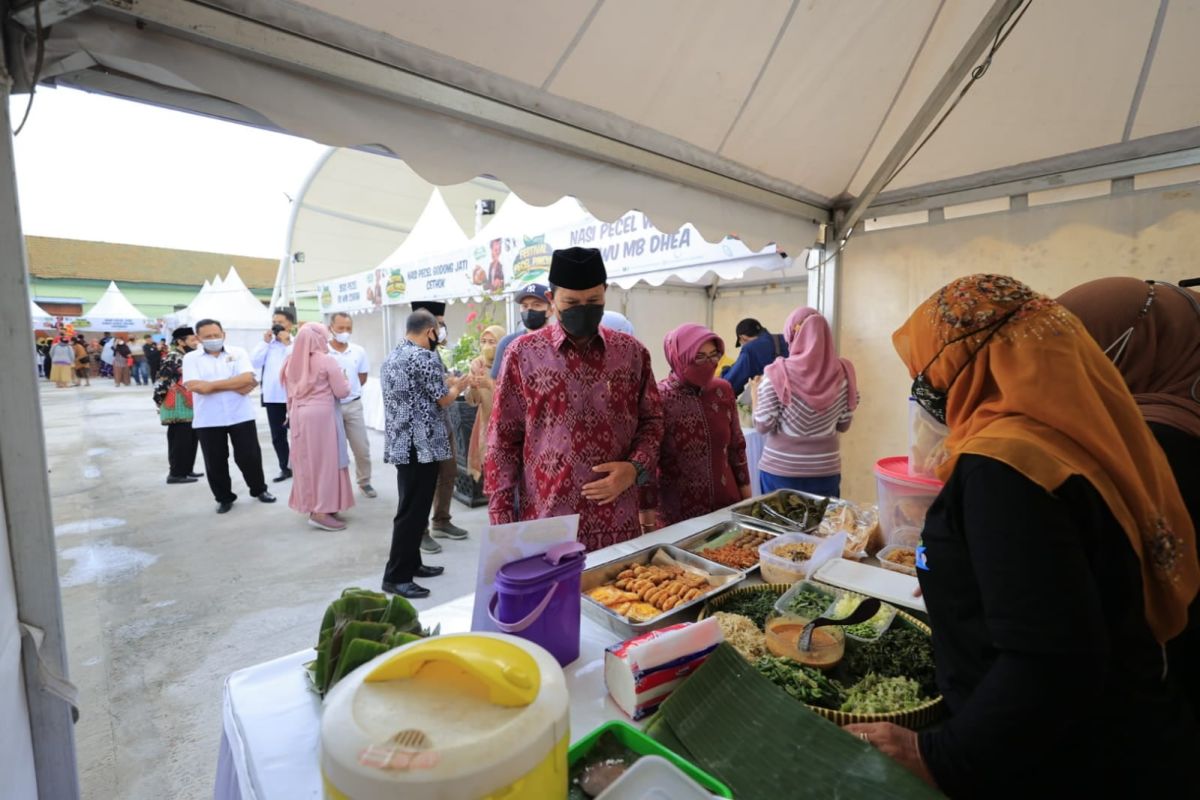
(181,449)
(214,443)
(415,484)
(277,418)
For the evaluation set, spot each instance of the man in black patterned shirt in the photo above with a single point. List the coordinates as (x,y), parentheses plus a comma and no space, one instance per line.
(415,391)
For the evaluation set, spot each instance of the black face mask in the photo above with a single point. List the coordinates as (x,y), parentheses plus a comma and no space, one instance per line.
(433,342)
(583,320)
(533,319)
(933,400)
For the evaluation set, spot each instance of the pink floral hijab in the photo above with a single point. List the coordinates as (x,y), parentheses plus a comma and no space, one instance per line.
(811,370)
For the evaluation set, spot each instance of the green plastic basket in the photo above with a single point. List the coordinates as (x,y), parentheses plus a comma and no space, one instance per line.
(643,745)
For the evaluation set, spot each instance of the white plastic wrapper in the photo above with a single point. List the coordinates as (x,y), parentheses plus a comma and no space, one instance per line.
(926,442)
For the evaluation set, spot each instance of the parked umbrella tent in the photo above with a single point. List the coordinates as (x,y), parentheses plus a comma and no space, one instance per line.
(114,313)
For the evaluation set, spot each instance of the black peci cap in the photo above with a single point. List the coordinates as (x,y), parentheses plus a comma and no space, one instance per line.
(577,268)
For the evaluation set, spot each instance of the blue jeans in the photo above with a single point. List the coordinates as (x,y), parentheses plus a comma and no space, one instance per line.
(828,486)
(141,371)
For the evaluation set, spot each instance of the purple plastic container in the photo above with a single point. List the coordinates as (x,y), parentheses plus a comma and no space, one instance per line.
(537,598)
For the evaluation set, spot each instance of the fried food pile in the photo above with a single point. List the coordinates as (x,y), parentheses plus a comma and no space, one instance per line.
(641,592)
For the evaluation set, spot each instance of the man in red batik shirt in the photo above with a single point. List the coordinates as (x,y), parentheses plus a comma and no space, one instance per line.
(576,419)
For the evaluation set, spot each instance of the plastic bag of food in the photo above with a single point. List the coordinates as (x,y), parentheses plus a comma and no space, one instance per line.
(859,523)
(926,441)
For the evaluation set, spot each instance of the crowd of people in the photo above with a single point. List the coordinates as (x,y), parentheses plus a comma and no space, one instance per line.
(71,359)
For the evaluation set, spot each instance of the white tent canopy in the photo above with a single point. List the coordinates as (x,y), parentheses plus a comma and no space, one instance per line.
(752,118)
(438,262)
(113,312)
(230,302)
(41,318)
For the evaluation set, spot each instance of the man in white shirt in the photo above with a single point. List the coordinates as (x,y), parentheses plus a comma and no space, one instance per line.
(267,360)
(220,379)
(352,358)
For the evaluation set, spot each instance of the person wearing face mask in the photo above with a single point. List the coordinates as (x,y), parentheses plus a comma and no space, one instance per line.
(805,399)
(355,365)
(576,418)
(220,379)
(416,439)
(479,394)
(267,360)
(535,314)
(181,437)
(702,460)
(441,526)
(1055,562)
(1151,332)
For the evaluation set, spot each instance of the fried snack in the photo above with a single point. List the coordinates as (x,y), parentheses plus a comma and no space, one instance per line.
(643,591)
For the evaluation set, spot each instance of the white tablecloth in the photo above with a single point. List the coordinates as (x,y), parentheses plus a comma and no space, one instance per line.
(269,750)
(754,450)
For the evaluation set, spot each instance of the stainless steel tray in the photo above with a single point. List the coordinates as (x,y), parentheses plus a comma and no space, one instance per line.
(695,543)
(623,627)
(772,524)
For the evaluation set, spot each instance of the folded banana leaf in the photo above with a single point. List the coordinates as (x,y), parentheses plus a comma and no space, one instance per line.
(356,627)
(733,722)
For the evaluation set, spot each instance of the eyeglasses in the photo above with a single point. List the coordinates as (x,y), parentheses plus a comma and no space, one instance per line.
(711,358)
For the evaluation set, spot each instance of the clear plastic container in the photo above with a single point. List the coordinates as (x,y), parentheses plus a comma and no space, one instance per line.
(654,778)
(904,500)
(848,603)
(894,566)
(784,604)
(782,569)
(926,441)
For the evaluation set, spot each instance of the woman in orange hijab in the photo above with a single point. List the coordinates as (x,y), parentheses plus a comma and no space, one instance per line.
(1056,561)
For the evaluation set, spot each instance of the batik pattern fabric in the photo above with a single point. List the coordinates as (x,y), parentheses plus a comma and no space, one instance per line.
(413,381)
(702,461)
(560,410)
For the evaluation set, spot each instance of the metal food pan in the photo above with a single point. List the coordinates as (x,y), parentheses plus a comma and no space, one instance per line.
(697,541)
(606,573)
(740,515)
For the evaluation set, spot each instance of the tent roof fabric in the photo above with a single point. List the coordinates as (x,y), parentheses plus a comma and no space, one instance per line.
(750,118)
(128,263)
(113,304)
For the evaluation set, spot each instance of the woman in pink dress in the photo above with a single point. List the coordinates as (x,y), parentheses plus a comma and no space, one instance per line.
(319,462)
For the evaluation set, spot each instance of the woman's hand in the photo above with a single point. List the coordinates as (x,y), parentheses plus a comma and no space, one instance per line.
(899,744)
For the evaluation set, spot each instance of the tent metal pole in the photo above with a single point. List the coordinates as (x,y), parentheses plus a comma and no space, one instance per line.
(964,62)
(26,493)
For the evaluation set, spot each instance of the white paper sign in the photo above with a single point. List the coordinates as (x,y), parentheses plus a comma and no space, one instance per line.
(504,543)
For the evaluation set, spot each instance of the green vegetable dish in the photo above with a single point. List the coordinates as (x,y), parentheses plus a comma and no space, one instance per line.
(803,512)
(757,606)
(806,684)
(876,695)
(810,604)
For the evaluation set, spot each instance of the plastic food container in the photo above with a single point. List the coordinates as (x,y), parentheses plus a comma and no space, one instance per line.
(654,778)
(467,715)
(781,569)
(643,745)
(926,441)
(880,622)
(892,565)
(784,604)
(904,500)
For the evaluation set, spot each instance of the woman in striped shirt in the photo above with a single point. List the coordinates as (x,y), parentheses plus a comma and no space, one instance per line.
(804,401)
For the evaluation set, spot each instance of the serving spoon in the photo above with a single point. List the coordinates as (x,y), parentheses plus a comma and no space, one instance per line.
(868,608)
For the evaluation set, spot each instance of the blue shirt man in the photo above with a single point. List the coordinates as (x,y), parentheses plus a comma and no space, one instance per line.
(759,348)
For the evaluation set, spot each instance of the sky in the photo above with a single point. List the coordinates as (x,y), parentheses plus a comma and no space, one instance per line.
(93,167)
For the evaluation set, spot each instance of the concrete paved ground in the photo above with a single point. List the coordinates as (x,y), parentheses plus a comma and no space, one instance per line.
(163,598)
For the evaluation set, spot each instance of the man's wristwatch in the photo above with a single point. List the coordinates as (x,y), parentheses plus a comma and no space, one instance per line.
(643,477)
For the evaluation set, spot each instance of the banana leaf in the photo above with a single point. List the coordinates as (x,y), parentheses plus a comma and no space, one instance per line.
(733,722)
(400,612)
(357,653)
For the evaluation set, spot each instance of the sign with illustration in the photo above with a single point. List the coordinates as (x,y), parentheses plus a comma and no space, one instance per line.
(630,245)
